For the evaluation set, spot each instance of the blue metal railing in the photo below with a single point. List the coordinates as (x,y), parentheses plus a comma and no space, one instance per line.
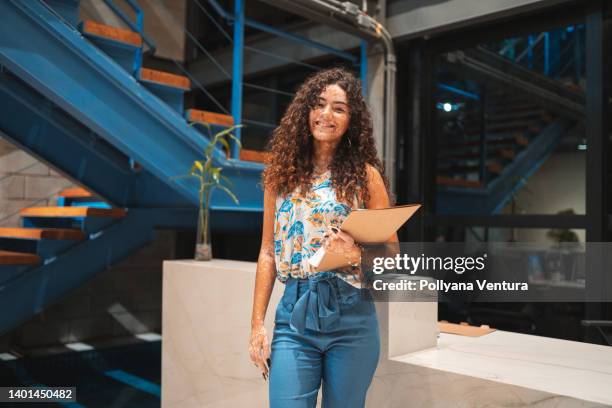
(137,26)
(552,53)
(239,22)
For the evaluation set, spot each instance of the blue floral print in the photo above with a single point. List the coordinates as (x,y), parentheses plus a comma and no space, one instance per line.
(300,224)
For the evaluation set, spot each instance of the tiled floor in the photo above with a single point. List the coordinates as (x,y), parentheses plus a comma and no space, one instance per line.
(120,376)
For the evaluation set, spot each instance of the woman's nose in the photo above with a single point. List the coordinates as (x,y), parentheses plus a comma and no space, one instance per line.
(326,110)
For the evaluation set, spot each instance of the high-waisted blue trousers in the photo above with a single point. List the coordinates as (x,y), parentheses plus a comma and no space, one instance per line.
(326,331)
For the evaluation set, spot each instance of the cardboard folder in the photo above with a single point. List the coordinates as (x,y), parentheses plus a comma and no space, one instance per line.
(366,226)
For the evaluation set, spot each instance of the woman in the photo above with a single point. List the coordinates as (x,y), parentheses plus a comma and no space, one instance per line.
(323,162)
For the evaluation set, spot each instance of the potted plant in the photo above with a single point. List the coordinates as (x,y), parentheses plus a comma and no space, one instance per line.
(561,259)
(209,177)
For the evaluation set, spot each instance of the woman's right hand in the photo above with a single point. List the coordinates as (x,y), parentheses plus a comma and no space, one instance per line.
(259,348)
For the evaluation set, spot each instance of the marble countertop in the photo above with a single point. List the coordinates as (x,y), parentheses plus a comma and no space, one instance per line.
(229,264)
(578,370)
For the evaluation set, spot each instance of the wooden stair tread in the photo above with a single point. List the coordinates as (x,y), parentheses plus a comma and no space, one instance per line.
(253,155)
(447,181)
(71,212)
(112,33)
(43,233)
(75,192)
(18,258)
(508,153)
(521,140)
(468,168)
(213,118)
(165,78)
(495,167)
(491,152)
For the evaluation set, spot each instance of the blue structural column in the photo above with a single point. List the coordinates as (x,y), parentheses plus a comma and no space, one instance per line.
(140,25)
(363,67)
(237,70)
(555,52)
(547,54)
(530,41)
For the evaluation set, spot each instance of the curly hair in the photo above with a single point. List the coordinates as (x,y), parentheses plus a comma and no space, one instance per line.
(290,162)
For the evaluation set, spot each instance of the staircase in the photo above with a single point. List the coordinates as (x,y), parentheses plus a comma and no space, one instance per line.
(76,96)
(485,158)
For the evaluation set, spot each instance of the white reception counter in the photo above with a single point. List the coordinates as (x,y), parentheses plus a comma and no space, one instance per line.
(206,322)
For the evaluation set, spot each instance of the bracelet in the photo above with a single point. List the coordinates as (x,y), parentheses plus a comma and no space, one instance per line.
(353,265)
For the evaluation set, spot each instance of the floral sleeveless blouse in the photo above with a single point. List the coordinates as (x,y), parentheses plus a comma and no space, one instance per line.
(300,224)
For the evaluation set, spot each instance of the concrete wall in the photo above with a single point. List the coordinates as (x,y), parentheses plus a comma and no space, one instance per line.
(25,182)
(164,21)
(559,184)
(416,18)
(122,301)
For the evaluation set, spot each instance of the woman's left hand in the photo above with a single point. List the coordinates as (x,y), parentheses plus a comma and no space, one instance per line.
(342,243)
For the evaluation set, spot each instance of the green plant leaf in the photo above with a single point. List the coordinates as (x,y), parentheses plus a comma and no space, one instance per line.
(235,139)
(208,129)
(209,175)
(215,173)
(227,131)
(229,193)
(227,180)
(224,143)
(182,176)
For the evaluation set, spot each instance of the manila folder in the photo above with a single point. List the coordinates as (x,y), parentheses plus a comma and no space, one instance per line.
(366,226)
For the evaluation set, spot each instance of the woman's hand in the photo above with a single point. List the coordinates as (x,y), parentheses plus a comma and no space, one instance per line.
(342,243)
(259,349)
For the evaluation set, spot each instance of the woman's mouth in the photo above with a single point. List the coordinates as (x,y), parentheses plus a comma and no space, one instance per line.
(324,125)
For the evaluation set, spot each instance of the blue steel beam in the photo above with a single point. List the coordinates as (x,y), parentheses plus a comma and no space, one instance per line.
(293,37)
(56,61)
(496,195)
(43,130)
(301,40)
(31,291)
(237,71)
(458,91)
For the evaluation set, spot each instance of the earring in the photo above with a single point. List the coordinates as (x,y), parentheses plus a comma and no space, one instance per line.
(349,141)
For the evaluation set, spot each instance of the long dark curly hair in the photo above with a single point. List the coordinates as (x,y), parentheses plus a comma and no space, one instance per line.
(290,161)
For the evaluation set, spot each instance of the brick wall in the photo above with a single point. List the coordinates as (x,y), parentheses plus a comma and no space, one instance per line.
(25,182)
(124,300)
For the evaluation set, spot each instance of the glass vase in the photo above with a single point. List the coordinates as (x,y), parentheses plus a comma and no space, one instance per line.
(203,249)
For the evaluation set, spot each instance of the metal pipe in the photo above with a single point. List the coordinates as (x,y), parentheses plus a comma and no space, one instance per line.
(390,139)
(363,67)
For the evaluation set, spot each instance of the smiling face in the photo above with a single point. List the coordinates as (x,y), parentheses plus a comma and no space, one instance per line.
(329,119)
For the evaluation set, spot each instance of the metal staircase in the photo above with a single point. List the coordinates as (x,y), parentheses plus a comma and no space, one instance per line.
(77,97)
(490,151)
